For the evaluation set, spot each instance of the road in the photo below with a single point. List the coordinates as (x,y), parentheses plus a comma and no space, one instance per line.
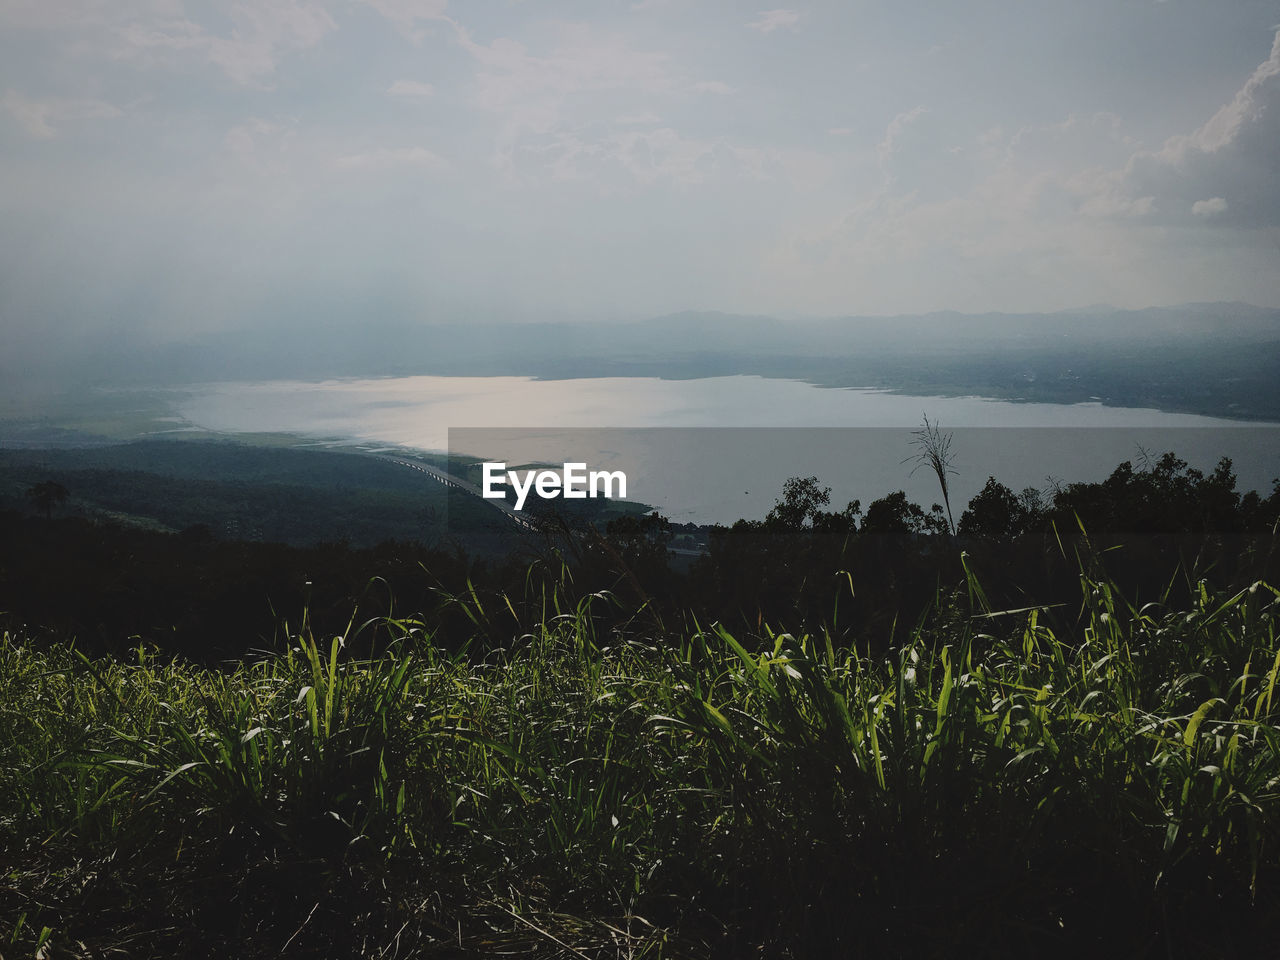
(501,506)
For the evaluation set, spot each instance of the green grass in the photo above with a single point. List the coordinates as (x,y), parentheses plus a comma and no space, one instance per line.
(1100,779)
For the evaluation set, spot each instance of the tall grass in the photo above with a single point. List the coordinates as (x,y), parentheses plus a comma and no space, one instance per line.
(1102,778)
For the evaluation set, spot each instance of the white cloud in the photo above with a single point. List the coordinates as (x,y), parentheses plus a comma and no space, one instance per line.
(264,30)
(32,116)
(262,33)
(583,59)
(997,222)
(1108,204)
(664,154)
(261,155)
(246,140)
(1207,208)
(41,119)
(1233,158)
(405,14)
(771,20)
(140,37)
(535,95)
(1246,108)
(386,158)
(411,90)
(893,133)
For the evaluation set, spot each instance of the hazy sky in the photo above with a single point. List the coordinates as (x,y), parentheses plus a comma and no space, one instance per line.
(182,165)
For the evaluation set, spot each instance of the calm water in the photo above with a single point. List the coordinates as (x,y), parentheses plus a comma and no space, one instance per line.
(855,441)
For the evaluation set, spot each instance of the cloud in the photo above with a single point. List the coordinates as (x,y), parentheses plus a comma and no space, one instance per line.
(262,32)
(248,141)
(405,14)
(1207,208)
(140,38)
(887,146)
(664,154)
(1234,159)
(540,97)
(41,119)
(771,20)
(411,90)
(392,159)
(996,221)
(583,59)
(712,86)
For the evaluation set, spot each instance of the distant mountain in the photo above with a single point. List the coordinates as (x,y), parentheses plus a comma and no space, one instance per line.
(1207,357)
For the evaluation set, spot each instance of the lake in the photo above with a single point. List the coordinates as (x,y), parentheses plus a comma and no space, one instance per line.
(715,449)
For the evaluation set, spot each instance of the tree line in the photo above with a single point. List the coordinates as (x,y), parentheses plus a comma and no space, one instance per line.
(860,575)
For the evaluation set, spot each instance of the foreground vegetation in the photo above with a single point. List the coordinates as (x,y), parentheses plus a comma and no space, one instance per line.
(1102,777)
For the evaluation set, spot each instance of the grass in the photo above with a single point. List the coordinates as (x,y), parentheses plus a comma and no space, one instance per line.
(1102,778)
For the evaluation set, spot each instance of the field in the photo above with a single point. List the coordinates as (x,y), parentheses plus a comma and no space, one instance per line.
(1097,779)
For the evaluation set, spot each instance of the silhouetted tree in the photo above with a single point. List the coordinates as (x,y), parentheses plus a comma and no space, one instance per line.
(895,514)
(640,542)
(996,513)
(801,503)
(1165,497)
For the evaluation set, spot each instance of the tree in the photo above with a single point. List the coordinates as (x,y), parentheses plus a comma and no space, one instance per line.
(1165,496)
(844,522)
(640,539)
(47,495)
(801,504)
(996,513)
(895,514)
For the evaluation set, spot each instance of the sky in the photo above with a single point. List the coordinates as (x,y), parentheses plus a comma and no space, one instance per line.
(173,167)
